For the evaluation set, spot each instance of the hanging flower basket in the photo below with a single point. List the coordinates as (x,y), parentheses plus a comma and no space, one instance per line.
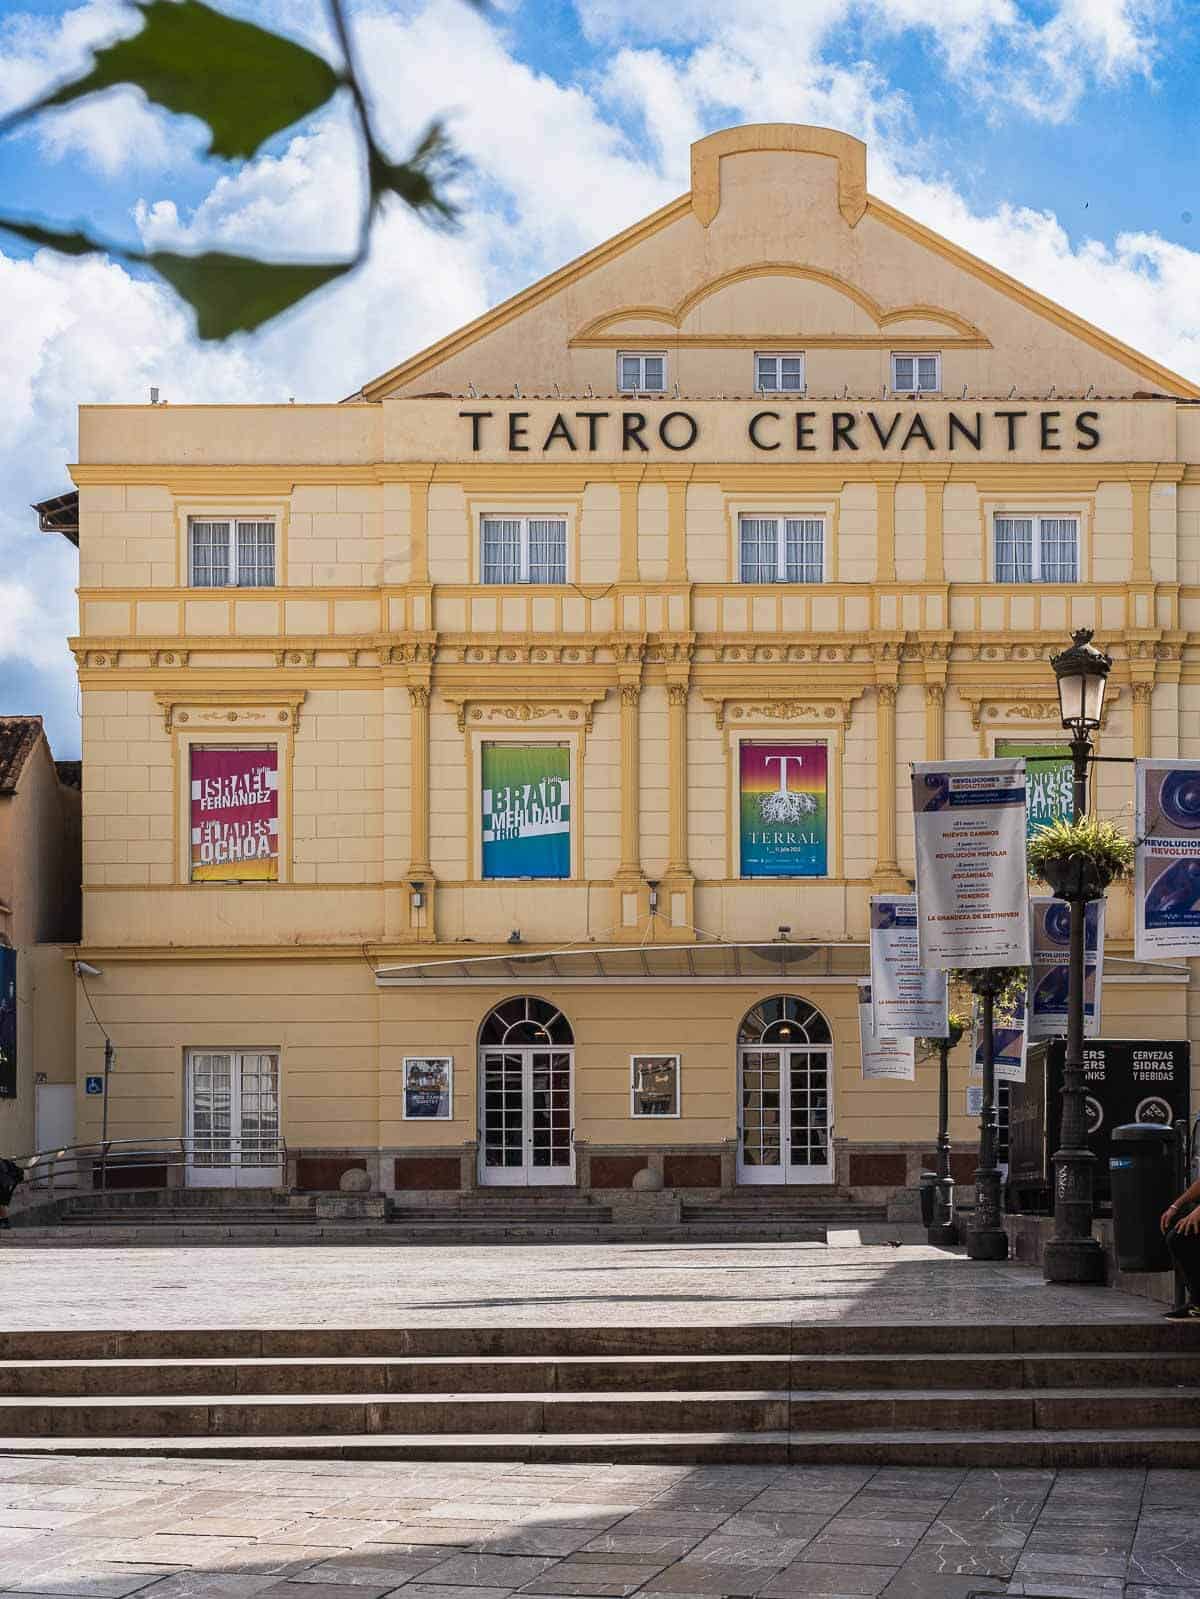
(956,1026)
(1079,860)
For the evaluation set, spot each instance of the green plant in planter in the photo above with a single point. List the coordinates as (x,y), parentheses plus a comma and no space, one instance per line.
(956,1026)
(1079,860)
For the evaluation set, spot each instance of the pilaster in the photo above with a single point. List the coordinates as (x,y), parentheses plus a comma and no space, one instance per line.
(886,478)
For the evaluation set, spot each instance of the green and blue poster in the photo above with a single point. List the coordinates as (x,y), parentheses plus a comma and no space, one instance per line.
(784,807)
(1049,779)
(526,810)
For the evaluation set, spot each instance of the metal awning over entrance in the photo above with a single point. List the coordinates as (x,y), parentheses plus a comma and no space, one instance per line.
(645,963)
(776,962)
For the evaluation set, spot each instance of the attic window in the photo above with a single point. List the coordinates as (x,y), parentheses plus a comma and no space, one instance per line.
(779,374)
(917,372)
(642,374)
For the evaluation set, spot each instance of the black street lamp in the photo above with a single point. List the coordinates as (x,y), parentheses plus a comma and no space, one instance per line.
(1073,1255)
(986,1238)
(945,1227)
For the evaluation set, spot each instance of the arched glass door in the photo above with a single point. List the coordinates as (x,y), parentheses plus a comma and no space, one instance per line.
(785,1094)
(526,1095)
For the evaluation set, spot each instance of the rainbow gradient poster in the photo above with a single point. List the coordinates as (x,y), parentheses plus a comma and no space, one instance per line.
(784,810)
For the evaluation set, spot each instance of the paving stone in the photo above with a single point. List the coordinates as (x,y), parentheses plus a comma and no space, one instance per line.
(752,1523)
(538,1540)
(721,1549)
(861,1582)
(1167,1557)
(600,1576)
(97,1580)
(688,1577)
(487,1571)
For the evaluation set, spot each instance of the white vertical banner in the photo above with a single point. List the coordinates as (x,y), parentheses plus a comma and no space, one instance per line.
(906,1001)
(1166,880)
(972,893)
(1050,920)
(1009,1046)
(882,1057)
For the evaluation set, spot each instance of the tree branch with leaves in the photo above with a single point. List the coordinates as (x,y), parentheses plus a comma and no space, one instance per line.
(246,84)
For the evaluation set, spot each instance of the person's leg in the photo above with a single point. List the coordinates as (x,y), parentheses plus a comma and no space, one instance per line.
(1185,1252)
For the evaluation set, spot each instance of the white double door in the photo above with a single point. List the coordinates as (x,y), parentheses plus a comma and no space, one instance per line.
(526,1132)
(785,1115)
(233,1119)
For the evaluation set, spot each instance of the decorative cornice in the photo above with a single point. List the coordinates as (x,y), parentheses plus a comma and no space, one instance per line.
(994,704)
(828,708)
(240,708)
(482,709)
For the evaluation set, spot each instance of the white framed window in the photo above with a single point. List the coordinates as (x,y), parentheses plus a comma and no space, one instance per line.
(779,373)
(781,549)
(642,374)
(523,549)
(1036,549)
(230,553)
(916,371)
(654,1086)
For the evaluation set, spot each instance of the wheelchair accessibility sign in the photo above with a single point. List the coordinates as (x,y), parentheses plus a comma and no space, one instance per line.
(93,1085)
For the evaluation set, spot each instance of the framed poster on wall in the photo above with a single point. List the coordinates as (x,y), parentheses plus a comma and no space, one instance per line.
(428,1088)
(526,810)
(783,809)
(655,1085)
(234,814)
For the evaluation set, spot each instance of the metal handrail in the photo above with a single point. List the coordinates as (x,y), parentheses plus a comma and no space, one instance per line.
(48,1167)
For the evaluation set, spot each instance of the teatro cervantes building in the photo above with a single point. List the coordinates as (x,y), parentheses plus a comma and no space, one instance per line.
(486,774)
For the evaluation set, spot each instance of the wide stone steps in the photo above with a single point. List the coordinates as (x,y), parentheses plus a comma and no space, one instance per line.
(585,1374)
(1101,1393)
(476,1413)
(1159,1447)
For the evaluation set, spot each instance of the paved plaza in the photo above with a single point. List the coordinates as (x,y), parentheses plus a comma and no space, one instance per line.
(103,1529)
(632,1285)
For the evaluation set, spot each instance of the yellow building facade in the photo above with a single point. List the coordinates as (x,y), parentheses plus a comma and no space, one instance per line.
(752,506)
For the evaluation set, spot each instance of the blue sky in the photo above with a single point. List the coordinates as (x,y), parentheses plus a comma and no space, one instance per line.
(1055,138)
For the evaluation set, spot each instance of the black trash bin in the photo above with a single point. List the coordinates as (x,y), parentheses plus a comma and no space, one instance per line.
(928,1197)
(1142,1166)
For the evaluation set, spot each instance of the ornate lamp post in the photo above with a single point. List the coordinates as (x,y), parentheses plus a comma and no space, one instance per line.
(986,1238)
(945,1227)
(1073,1255)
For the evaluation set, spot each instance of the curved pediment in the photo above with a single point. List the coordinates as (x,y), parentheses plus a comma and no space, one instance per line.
(776,301)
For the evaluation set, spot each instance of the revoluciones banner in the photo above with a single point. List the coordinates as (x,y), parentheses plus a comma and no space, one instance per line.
(235,815)
(1166,886)
(1008,1044)
(1051,938)
(972,894)
(882,1057)
(906,1001)
(526,810)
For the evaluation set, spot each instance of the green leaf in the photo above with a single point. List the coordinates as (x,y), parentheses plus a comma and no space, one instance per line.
(243,81)
(54,238)
(417,181)
(236,293)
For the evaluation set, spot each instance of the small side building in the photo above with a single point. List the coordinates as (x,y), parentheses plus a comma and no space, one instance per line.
(39,920)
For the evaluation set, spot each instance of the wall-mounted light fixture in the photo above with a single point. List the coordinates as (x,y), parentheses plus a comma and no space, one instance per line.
(418,895)
(653,887)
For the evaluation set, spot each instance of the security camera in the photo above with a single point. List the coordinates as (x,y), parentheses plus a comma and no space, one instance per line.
(86,969)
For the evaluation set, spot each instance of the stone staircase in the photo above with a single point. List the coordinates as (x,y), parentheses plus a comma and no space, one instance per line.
(1106,1394)
(262,1216)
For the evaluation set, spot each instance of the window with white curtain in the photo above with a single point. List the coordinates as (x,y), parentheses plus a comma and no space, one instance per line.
(1037,549)
(523,549)
(917,372)
(229,553)
(781,549)
(642,374)
(779,374)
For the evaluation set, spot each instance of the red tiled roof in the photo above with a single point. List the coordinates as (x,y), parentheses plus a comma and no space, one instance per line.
(18,735)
